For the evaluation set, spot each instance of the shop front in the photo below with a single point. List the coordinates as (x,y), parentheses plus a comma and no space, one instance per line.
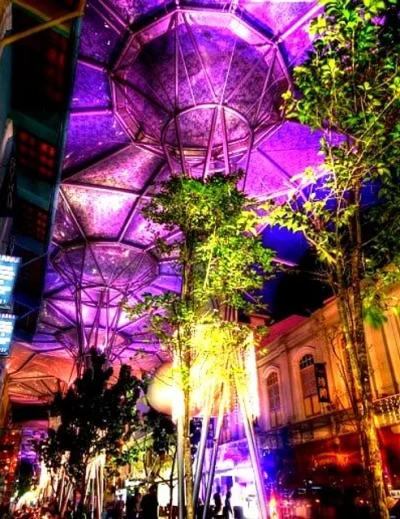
(234,474)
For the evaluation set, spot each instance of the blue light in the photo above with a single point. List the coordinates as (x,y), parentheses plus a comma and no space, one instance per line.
(7,322)
(9,266)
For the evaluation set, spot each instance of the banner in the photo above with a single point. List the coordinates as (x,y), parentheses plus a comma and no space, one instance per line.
(9,266)
(7,322)
(322,382)
(8,191)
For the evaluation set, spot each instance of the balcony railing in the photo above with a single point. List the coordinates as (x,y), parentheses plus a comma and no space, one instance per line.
(387,410)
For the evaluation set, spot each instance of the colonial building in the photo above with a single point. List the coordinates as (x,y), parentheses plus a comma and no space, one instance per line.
(306,424)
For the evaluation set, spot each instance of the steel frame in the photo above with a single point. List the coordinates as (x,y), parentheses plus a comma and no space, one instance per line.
(180,155)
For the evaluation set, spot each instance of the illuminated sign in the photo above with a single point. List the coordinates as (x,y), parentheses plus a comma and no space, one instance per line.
(7,322)
(322,382)
(8,273)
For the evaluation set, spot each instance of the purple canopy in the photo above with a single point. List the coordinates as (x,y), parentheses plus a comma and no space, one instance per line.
(160,86)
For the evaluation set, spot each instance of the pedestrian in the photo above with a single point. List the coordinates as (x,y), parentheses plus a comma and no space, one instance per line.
(228,511)
(134,505)
(217,502)
(149,504)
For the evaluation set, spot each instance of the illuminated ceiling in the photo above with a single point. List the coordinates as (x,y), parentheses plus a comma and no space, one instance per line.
(159,86)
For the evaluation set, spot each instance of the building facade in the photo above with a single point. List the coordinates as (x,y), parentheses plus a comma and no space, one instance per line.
(7,169)
(306,424)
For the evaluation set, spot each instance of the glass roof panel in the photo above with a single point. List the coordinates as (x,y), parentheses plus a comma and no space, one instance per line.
(99,36)
(141,231)
(101,214)
(91,87)
(90,137)
(66,227)
(130,168)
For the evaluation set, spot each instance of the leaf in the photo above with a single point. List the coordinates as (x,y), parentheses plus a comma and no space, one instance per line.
(374,316)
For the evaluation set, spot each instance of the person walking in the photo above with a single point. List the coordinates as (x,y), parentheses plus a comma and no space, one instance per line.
(133,505)
(228,511)
(217,502)
(149,504)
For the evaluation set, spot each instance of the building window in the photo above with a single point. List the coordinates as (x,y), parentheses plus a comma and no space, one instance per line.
(309,386)
(37,156)
(274,400)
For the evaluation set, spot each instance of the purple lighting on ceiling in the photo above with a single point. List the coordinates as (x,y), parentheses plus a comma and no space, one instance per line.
(89,137)
(201,87)
(91,88)
(156,90)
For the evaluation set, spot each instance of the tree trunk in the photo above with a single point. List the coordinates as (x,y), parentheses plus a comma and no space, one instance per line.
(374,473)
(81,505)
(171,485)
(185,365)
(365,421)
(188,459)
(351,317)
(368,433)
(66,498)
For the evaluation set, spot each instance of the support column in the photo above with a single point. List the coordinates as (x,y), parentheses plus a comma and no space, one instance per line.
(202,447)
(213,461)
(254,456)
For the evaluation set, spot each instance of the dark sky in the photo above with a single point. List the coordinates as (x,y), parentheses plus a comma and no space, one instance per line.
(295,291)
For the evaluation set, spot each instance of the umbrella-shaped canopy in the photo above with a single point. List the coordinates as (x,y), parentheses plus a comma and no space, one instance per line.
(160,86)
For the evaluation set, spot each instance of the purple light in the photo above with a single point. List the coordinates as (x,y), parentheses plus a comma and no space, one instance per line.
(91,88)
(122,141)
(90,137)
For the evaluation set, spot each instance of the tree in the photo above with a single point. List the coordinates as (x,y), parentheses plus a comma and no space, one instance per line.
(220,258)
(26,477)
(151,451)
(348,88)
(95,417)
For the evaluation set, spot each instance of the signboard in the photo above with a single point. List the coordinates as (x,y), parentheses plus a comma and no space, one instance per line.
(7,322)
(322,382)
(8,274)
(395,493)
(7,191)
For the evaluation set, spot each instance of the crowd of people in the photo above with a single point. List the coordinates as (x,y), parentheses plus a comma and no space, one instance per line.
(50,510)
(139,505)
(146,506)
(223,508)
(225,511)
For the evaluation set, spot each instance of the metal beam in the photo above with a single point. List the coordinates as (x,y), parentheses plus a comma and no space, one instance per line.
(92,111)
(210,142)
(124,82)
(55,22)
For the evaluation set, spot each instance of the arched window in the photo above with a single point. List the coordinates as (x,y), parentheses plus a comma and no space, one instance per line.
(274,400)
(309,385)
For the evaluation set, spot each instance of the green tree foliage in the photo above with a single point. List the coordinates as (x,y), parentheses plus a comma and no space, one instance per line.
(95,416)
(150,451)
(348,88)
(220,259)
(163,432)
(26,478)
(217,222)
(219,256)
(156,434)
